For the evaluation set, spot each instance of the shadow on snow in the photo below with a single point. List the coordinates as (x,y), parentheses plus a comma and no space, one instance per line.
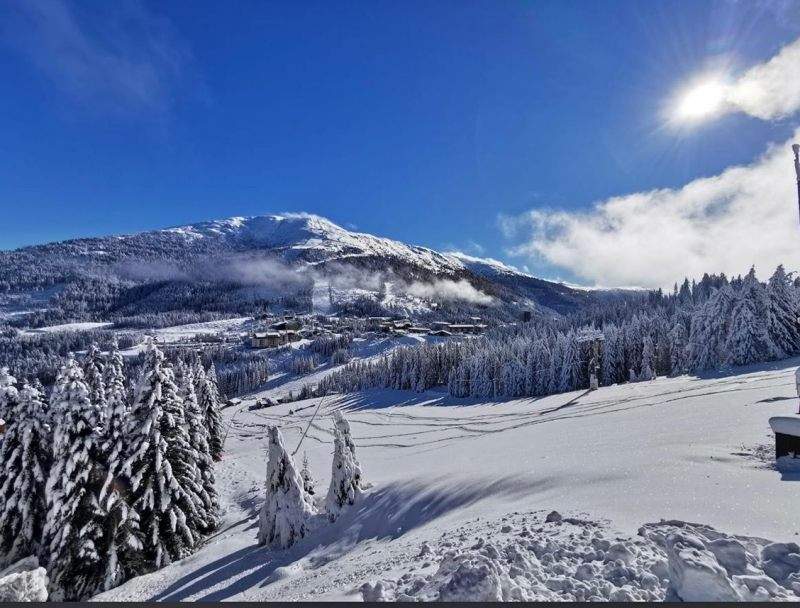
(385,513)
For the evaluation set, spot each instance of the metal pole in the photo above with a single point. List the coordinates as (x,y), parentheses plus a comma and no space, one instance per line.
(796,150)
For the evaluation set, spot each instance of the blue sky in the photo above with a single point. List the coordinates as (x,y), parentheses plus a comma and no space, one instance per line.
(422,121)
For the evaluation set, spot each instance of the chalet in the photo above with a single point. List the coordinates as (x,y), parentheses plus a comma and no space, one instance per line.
(403,324)
(441,325)
(443,333)
(418,330)
(268,339)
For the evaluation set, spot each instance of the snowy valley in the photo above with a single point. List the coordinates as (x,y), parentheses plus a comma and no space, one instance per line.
(462,490)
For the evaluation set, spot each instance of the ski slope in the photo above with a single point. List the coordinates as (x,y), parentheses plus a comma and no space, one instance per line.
(449,475)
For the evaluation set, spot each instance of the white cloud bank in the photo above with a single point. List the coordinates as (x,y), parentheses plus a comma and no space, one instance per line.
(726,223)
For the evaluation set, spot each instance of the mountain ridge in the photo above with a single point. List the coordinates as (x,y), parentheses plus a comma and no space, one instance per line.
(200,252)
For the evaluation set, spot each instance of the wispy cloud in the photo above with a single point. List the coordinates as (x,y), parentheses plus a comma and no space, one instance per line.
(769,90)
(117,57)
(745,215)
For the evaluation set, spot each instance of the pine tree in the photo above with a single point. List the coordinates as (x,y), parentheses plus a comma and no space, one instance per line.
(346,480)
(709,330)
(309,484)
(648,360)
(208,398)
(678,344)
(93,367)
(748,340)
(783,311)
(166,510)
(122,544)
(570,366)
(75,521)
(284,517)
(9,396)
(199,444)
(25,457)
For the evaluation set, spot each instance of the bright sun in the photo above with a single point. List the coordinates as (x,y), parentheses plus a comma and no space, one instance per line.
(700,102)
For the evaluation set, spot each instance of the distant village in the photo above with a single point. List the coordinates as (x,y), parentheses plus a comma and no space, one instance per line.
(281,330)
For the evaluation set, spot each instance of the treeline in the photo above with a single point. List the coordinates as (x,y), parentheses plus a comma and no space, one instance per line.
(40,355)
(700,326)
(102,481)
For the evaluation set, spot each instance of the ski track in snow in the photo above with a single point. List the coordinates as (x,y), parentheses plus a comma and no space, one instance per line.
(448,472)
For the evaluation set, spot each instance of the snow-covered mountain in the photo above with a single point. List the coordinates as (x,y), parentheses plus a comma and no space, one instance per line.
(313,239)
(297,241)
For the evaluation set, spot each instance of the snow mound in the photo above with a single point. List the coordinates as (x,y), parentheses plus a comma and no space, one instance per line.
(530,559)
(23,581)
(705,565)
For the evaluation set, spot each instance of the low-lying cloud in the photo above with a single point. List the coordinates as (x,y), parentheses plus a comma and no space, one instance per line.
(446,290)
(744,216)
(256,270)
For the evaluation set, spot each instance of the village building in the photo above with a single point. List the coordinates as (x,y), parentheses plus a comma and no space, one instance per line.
(442,333)
(268,339)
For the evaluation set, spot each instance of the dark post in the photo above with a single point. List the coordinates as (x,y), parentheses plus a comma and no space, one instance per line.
(796,149)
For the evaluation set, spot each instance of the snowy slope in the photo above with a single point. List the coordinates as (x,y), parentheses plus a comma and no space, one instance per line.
(449,472)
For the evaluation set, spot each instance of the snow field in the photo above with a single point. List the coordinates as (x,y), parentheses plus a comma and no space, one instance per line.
(685,449)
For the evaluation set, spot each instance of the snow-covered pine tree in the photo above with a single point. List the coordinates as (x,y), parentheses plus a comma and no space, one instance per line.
(183,457)
(212,374)
(748,339)
(198,441)
(25,457)
(75,521)
(93,367)
(198,372)
(571,364)
(122,543)
(783,311)
(608,372)
(309,484)
(678,348)
(648,359)
(709,330)
(208,398)
(284,517)
(165,509)
(346,480)
(9,396)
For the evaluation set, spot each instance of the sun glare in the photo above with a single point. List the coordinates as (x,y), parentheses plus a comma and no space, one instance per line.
(700,102)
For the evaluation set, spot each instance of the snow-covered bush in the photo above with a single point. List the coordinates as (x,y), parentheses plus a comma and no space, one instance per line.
(287,507)
(346,482)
